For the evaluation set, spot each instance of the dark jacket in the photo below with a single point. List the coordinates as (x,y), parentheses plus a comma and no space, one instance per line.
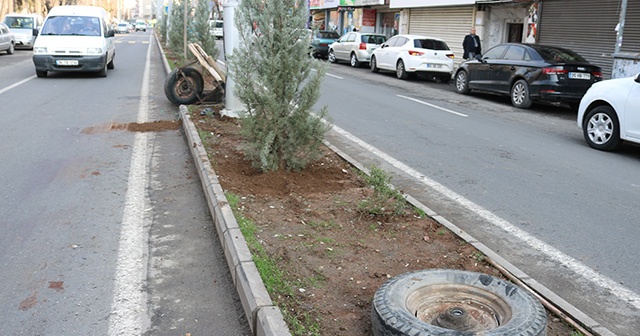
(469,46)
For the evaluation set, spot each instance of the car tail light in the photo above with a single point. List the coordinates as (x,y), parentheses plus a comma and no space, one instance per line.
(415,53)
(451,55)
(597,74)
(554,71)
(363,46)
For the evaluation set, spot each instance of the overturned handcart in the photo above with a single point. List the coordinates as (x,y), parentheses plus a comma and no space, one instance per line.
(185,85)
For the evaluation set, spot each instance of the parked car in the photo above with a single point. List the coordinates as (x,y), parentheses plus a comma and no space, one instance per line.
(24,27)
(410,54)
(355,47)
(528,73)
(7,39)
(321,41)
(122,28)
(216,28)
(608,113)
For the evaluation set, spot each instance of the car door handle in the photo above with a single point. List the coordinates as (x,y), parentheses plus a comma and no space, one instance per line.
(513,68)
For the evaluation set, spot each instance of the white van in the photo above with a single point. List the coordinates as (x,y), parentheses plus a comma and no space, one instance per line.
(75,38)
(215,28)
(24,27)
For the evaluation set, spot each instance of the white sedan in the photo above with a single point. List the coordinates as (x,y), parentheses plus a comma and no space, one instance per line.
(610,112)
(410,54)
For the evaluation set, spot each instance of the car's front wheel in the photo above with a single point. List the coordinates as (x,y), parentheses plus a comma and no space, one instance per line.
(41,73)
(373,64)
(601,128)
(354,60)
(520,95)
(11,48)
(462,82)
(401,72)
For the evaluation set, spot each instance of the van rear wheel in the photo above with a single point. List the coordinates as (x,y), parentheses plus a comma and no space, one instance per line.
(41,74)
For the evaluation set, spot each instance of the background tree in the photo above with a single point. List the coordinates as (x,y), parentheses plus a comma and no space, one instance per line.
(176,27)
(279,84)
(200,30)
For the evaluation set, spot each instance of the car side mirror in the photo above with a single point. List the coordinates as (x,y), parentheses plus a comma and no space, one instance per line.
(35,32)
(479,57)
(637,78)
(111,33)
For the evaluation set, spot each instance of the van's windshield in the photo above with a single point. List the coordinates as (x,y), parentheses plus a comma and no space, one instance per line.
(72,25)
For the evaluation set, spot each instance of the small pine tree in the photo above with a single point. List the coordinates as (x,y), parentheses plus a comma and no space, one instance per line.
(161,26)
(176,29)
(201,34)
(279,84)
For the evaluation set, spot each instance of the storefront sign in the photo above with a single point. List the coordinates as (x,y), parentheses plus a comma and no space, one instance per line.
(369,17)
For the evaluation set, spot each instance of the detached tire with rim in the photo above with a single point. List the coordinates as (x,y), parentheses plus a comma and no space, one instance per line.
(462,82)
(520,94)
(601,128)
(184,88)
(441,302)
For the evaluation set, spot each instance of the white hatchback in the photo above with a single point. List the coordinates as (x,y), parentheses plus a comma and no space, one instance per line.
(410,54)
(609,113)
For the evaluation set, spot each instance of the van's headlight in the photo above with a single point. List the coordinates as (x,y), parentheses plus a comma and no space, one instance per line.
(97,51)
(39,50)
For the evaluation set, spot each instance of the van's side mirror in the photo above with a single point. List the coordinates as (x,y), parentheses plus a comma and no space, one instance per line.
(111,33)
(34,32)
(637,78)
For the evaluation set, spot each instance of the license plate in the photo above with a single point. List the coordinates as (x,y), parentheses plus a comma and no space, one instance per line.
(67,62)
(579,75)
(435,66)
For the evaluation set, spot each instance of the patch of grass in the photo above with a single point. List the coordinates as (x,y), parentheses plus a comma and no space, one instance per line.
(442,232)
(324,225)
(385,200)
(273,276)
(478,256)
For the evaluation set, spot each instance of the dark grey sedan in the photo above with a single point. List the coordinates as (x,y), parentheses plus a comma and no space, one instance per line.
(528,73)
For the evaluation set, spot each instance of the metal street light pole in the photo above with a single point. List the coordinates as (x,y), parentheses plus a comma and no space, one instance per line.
(232,105)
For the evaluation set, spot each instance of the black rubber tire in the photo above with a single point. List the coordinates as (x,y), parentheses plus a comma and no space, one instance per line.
(373,65)
(111,65)
(392,316)
(601,128)
(462,82)
(184,90)
(103,72)
(520,94)
(41,74)
(11,49)
(353,60)
(332,56)
(401,72)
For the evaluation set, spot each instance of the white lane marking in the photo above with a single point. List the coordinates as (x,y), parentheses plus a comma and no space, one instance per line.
(129,315)
(334,76)
(434,106)
(585,272)
(16,84)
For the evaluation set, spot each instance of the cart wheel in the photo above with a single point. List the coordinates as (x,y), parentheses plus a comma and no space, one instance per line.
(184,86)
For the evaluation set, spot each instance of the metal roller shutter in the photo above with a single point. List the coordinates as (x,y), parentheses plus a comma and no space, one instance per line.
(450,24)
(584,26)
(631,33)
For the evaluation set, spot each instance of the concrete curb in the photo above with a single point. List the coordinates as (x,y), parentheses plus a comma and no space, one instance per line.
(265,318)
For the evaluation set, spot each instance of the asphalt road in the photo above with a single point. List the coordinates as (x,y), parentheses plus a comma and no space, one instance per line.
(104,231)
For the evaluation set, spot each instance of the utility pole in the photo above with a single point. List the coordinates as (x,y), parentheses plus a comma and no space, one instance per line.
(232,105)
